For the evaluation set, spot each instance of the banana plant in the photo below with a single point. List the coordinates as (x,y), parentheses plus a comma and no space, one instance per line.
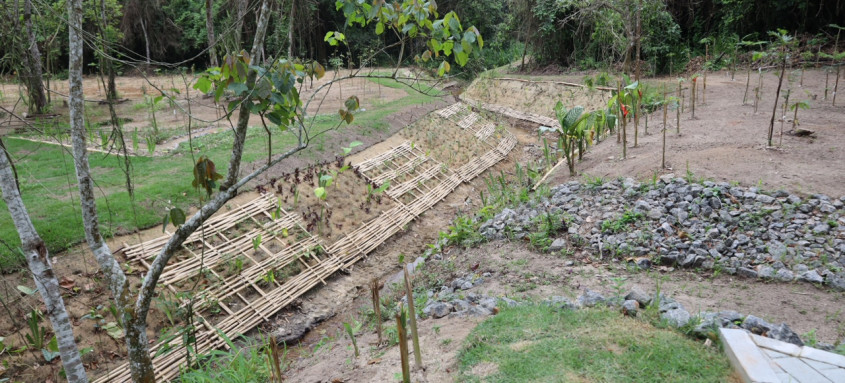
(572,127)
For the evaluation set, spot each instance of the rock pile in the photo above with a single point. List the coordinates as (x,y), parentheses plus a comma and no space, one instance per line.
(708,225)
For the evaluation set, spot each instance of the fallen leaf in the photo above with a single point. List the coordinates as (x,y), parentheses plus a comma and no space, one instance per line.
(67,283)
(374,361)
(338,380)
(88,287)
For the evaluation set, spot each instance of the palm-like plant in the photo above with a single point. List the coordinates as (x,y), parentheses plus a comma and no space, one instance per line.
(572,129)
(801,104)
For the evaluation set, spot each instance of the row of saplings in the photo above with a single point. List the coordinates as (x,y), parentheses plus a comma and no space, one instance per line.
(632,100)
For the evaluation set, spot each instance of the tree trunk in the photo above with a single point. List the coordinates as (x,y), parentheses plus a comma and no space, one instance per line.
(239,24)
(38,261)
(639,36)
(34,84)
(243,112)
(209,27)
(146,40)
(290,28)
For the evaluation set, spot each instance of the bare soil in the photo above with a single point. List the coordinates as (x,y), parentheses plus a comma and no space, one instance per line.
(727,141)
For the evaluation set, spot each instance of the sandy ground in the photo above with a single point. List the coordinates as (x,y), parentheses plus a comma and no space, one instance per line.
(727,142)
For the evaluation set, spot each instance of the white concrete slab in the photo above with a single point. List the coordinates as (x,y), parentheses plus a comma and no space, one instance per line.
(823,356)
(802,372)
(781,347)
(746,357)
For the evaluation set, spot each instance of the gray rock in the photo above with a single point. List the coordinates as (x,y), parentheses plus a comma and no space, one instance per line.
(756,325)
(558,245)
(478,311)
(777,249)
(466,285)
(746,272)
(655,213)
(784,275)
(836,281)
(642,206)
(811,276)
(764,199)
(730,317)
(822,228)
(639,296)
(461,305)
(488,303)
(708,323)
(630,307)
(437,309)
(676,317)
(766,272)
(783,333)
(590,299)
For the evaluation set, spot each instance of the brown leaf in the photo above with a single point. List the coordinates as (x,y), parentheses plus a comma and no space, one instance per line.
(67,283)
(338,380)
(374,361)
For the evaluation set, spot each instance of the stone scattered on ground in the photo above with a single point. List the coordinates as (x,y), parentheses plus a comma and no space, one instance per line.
(676,223)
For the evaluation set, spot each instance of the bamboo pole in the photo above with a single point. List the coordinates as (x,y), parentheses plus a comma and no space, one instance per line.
(413,318)
(376,307)
(663,156)
(403,345)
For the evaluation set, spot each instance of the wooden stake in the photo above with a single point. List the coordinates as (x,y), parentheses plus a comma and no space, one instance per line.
(403,345)
(836,86)
(663,158)
(692,98)
(376,307)
(409,290)
(826,83)
(747,83)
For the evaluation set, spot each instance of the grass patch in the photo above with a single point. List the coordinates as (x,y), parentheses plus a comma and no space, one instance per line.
(536,343)
(48,179)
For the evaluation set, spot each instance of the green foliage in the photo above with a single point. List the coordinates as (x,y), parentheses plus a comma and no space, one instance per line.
(621,223)
(412,19)
(600,346)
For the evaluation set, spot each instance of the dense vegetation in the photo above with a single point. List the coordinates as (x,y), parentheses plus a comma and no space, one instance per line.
(584,33)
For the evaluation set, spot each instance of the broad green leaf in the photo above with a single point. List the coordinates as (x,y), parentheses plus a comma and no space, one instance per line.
(113,330)
(320,192)
(379,28)
(203,85)
(26,290)
(352,103)
(177,216)
(444,68)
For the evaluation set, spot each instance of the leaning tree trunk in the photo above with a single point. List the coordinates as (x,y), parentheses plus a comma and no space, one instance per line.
(209,27)
(38,260)
(34,84)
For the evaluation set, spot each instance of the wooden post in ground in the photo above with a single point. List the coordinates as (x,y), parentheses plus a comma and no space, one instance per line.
(663,157)
(403,345)
(376,307)
(409,290)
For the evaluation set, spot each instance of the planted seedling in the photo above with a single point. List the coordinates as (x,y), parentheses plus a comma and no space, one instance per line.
(782,45)
(798,105)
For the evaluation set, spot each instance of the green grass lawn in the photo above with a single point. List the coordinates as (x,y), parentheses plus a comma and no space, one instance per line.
(536,343)
(48,179)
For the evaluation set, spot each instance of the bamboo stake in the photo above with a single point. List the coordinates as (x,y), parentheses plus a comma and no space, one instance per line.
(826,82)
(403,345)
(692,98)
(413,318)
(663,157)
(747,83)
(376,307)
(783,117)
(758,89)
(836,86)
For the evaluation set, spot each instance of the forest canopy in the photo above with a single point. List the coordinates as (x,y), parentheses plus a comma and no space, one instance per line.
(583,33)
